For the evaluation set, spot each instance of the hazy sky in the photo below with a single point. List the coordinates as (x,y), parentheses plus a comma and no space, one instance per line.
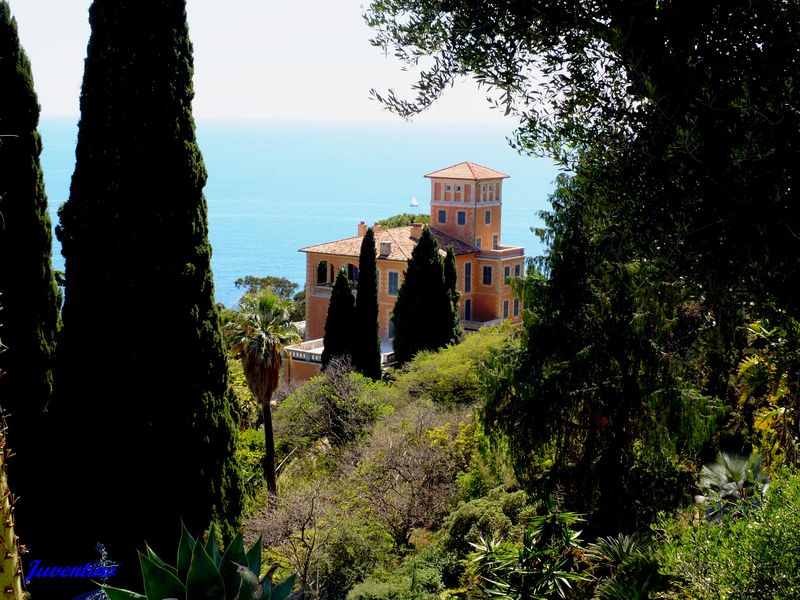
(275,59)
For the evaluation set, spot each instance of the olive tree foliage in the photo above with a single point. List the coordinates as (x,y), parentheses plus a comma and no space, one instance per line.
(678,124)
(697,102)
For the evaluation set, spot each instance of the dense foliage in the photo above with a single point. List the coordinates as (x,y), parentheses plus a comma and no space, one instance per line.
(749,555)
(404,219)
(423,314)
(28,293)
(366,342)
(151,424)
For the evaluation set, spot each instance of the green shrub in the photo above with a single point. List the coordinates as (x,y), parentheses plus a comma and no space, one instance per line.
(755,555)
(451,375)
(338,405)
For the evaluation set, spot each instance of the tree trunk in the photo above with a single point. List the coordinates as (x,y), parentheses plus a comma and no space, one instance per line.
(269,452)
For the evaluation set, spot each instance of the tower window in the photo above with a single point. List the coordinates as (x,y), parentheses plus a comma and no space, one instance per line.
(478,243)
(506,273)
(461,217)
(467,277)
(487,275)
(442,216)
(495,242)
(505,309)
(487,217)
(516,307)
(516,270)
(394,281)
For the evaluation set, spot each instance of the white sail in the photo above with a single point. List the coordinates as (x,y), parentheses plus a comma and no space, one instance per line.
(414,202)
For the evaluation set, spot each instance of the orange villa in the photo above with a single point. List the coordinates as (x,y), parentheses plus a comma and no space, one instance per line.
(466,203)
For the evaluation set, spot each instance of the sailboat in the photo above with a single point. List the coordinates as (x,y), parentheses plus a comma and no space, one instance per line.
(414,203)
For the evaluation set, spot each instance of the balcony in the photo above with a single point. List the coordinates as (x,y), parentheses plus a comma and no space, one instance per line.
(502,252)
(311,351)
(475,325)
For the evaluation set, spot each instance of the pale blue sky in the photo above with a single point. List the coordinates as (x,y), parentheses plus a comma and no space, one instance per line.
(274,59)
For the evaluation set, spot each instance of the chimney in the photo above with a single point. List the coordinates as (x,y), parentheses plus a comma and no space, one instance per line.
(376,228)
(386,248)
(416,230)
(362,229)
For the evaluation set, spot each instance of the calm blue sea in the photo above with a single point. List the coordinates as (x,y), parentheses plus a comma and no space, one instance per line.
(276,186)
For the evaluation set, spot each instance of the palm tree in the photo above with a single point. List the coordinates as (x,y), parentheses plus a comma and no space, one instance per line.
(732,482)
(258,333)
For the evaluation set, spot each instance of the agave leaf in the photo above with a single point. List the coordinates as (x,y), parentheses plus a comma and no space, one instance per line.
(160,582)
(250,588)
(234,557)
(118,594)
(204,581)
(185,548)
(254,557)
(212,545)
(283,589)
(155,558)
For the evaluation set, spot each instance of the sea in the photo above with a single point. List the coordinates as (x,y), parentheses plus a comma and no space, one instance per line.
(277,186)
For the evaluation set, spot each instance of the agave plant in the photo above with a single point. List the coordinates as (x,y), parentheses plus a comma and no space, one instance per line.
(204,572)
(731,484)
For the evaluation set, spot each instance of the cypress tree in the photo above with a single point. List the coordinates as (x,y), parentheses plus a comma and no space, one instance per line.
(422,313)
(141,349)
(451,284)
(28,293)
(367,342)
(339,322)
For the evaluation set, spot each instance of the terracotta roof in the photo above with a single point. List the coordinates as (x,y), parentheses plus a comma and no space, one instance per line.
(468,170)
(402,244)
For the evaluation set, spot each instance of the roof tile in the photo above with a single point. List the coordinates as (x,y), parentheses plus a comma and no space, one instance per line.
(467,170)
(402,244)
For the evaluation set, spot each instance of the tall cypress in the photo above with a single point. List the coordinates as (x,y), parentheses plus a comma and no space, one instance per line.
(338,340)
(141,348)
(451,284)
(28,294)
(422,312)
(366,341)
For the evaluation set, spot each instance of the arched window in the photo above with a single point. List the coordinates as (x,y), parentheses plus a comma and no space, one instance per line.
(322,272)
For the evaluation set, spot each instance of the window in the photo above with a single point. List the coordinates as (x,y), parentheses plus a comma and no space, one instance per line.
(487,217)
(506,273)
(516,306)
(505,309)
(495,242)
(394,279)
(478,243)
(516,270)
(448,187)
(352,273)
(458,188)
(391,326)
(467,277)
(461,217)
(468,310)
(322,272)
(442,216)
(487,275)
